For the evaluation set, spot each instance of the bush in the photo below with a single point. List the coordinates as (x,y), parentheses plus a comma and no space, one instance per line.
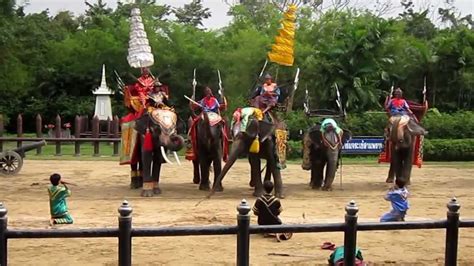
(448,150)
(439,125)
(434,150)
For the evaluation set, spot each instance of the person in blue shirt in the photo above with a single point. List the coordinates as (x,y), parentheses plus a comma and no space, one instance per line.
(398,196)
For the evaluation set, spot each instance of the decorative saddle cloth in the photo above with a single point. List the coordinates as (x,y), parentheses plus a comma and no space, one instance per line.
(128,143)
(214,118)
(166,119)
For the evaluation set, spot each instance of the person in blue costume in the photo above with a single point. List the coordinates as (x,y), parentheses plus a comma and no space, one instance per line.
(398,196)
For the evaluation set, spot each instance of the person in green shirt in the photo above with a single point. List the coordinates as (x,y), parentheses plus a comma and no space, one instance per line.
(57,201)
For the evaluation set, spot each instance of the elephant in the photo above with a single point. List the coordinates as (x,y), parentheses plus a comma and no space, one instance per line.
(260,131)
(402,147)
(210,140)
(157,133)
(322,148)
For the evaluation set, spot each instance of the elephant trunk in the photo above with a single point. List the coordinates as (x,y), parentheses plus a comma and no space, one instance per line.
(173,142)
(237,149)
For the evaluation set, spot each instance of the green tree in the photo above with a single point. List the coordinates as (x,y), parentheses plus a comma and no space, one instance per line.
(192,14)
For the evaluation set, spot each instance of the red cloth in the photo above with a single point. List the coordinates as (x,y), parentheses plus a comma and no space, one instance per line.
(193,136)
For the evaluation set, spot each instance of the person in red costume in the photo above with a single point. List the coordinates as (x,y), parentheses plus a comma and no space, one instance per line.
(397,105)
(144,85)
(209,103)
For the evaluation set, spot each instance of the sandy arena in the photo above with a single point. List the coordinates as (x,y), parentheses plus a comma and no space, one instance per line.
(101,187)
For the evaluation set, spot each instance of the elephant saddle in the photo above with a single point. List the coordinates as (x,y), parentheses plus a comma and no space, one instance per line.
(166,119)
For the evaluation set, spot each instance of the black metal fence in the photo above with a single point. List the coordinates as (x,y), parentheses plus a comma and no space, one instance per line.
(243,230)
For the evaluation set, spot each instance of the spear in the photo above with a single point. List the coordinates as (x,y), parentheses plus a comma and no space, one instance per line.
(306,101)
(424,90)
(193,101)
(221,89)
(194,84)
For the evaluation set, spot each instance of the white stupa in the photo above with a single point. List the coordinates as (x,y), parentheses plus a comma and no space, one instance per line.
(103,103)
(139,50)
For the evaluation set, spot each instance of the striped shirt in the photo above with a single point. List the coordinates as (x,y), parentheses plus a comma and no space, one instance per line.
(267,208)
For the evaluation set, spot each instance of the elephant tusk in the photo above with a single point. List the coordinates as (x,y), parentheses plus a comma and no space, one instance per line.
(177,158)
(163,153)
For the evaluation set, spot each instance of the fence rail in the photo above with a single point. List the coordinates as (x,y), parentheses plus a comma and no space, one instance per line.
(59,136)
(125,232)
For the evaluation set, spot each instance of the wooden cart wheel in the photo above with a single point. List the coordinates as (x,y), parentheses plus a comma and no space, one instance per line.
(10,163)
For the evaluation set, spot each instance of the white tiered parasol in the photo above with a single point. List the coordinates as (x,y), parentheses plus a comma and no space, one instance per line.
(139,50)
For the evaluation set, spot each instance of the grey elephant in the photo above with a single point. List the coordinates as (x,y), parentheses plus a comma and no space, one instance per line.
(322,146)
(248,133)
(209,140)
(157,134)
(402,148)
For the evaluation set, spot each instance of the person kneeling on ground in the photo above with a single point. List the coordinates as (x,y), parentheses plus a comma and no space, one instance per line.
(398,196)
(268,207)
(57,201)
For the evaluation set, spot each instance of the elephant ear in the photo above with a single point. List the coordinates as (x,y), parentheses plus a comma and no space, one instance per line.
(346,135)
(141,124)
(415,129)
(315,136)
(265,130)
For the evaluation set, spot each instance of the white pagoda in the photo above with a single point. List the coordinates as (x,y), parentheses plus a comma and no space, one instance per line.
(103,103)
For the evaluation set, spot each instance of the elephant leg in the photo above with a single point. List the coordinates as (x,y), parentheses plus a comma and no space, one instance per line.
(331,168)
(156,172)
(134,181)
(255,174)
(205,164)
(252,181)
(317,169)
(147,158)
(217,165)
(196,172)
(268,174)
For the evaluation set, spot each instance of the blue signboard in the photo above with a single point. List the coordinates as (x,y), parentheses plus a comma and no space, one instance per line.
(363,145)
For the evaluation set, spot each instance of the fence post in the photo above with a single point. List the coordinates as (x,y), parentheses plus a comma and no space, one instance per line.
(19,128)
(350,233)
(452,233)
(39,131)
(57,134)
(115,134)
(95,134)
(243,234)
(2,128)
(3,239)
(77,136)
(125,234)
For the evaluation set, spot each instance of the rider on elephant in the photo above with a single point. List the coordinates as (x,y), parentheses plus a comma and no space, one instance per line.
(212,107)
(397,106)
(145,84)
(158,97)
(209,103)
(266,97)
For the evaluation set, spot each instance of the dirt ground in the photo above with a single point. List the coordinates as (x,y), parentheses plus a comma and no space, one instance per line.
(101,187)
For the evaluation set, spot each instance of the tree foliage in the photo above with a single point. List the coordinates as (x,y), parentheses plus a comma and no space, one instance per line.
(50,64)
